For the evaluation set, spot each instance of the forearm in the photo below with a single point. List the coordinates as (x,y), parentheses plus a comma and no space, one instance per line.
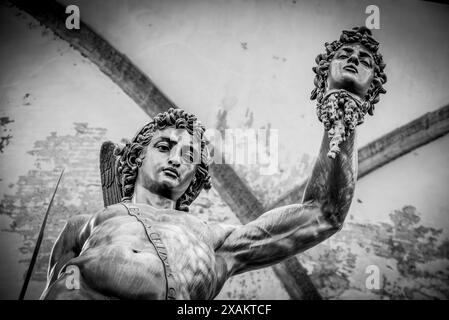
(276,235)
(286,231)
(332,181)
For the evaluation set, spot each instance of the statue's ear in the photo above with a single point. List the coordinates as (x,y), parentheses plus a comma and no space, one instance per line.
(112,192)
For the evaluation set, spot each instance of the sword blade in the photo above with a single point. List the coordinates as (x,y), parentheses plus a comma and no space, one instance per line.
(38,243)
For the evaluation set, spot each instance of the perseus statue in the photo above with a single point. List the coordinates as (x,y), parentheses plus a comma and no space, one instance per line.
(145,245)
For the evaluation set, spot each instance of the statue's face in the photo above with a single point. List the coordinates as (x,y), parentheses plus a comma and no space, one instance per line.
(352,68)
(170,162)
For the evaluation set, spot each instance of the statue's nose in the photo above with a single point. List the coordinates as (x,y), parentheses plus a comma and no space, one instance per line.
(174,161)
(354,59)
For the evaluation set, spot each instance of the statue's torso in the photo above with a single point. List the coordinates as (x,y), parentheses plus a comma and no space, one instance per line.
(118,261)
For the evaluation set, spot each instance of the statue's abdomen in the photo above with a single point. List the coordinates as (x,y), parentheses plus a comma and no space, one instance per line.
(123,272)
(118,261)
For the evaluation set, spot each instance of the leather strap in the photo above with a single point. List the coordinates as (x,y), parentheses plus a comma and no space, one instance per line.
(156,241)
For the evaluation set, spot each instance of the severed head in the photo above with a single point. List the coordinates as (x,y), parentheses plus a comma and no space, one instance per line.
(349,78)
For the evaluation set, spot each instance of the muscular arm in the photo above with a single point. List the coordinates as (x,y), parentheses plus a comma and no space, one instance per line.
(286,231)
(68,245)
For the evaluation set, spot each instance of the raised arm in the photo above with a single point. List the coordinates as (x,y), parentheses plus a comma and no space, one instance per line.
(286,231)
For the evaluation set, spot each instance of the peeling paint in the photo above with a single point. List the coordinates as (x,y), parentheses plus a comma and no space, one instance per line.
(79,191)
(5,138)
(413,259)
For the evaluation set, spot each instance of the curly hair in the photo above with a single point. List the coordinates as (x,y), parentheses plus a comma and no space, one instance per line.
(360,35)
(130,156)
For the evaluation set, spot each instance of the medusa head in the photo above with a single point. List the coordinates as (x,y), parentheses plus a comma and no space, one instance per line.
(358,39)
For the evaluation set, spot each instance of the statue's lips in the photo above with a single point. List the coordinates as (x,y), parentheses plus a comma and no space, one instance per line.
(350,68)
(173,173)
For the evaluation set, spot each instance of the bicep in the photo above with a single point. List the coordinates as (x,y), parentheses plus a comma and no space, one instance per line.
(273,237)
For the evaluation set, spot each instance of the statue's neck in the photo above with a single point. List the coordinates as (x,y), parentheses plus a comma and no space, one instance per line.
(353,95)
(142,195)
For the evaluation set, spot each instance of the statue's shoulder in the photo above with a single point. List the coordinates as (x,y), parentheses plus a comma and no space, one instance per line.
(115,207)
(108,212)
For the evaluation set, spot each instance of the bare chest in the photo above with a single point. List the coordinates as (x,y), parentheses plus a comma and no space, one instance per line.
(188,243)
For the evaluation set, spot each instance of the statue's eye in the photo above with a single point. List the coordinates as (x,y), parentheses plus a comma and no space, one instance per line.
(162,147)
(366,63)
(343,55)
(189,155)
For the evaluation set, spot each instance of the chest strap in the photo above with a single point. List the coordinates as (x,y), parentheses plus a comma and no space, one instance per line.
(156,241)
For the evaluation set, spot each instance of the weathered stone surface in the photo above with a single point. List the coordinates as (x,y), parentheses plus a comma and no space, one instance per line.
(5,134)
(413,260)
(79,191)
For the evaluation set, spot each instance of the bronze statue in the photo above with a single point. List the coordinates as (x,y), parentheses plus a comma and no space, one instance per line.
(145,245)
